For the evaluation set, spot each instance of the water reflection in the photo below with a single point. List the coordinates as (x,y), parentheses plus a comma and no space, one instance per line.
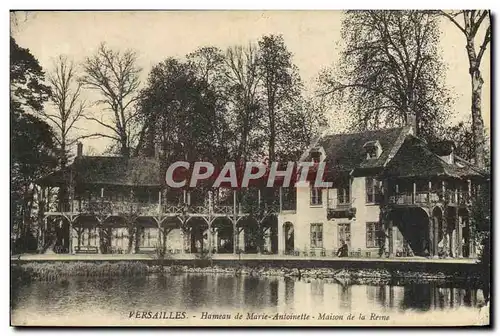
(227,293)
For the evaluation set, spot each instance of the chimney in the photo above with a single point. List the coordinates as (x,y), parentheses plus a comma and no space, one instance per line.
(79,149)
(411,120)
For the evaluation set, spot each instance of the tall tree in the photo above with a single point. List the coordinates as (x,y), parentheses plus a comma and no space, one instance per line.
(243,81)
(389,71)
(69,108)
(115,75)
(304,120)
(27,80)
(474,23)
(32,145)
(179,111)
(280,80)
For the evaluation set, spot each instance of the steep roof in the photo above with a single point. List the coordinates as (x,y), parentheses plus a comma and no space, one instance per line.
(116,170)
(345,152)
(415,158)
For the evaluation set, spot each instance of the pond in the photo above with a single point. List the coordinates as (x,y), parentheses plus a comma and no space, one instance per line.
(199,299)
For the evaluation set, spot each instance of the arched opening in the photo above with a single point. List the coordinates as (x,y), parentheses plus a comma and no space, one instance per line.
(198,241)
(289,237)
(411,232)
(465,233)
(223,236)
(60,243)
(171,235)
(114,236)
(147,237)
(270,233)
(437,243)
(87,237)
(254,235)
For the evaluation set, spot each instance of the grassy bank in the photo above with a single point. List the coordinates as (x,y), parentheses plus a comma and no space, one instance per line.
(61,270)
(57,270)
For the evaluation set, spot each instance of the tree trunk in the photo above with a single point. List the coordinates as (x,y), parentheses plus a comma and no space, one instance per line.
(477,118)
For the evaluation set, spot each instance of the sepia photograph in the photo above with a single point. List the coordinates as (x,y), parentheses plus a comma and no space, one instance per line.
(250,168)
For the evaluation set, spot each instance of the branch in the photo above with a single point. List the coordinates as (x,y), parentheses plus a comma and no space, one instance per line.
(487,38)
(452,19)
(96,135)
(102,124)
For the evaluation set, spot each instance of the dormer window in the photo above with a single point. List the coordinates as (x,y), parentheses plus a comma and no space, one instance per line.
(373,149)
(317,154)
(315,157)
(444,149)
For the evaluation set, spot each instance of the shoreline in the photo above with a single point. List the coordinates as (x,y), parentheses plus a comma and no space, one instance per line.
(33,271)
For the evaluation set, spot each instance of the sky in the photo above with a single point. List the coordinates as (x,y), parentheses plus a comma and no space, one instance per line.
(312,36)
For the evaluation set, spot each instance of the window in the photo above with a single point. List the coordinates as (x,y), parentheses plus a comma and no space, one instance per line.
(344,194)
(316,235)
(371,152)
(344,233)
(316,196)
(372,149)
(374,234)
(372,190)
(315,156)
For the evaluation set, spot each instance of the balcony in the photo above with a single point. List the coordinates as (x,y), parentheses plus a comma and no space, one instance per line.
(340,210)
(409,198)
(123,208)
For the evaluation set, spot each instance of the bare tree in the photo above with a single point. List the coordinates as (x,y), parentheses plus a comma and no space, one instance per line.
(470,23)
(115,75)
(389,70)
(69,108)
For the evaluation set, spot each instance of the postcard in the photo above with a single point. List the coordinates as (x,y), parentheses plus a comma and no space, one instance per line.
(250,168)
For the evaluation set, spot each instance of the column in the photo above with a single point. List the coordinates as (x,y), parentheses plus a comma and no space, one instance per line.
(159,202)
(429,192)
(430,245)
(436,236)
(446,236)
(281,239)
(391,238)
(443,191)
(414,192)
(458,227)
(216,240)
(209,237)
(241,240)
(210,202)
(70,245)
(98,237)
(469,191)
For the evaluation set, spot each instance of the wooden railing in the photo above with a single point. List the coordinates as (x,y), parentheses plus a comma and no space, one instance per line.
(107,207)
(425,197)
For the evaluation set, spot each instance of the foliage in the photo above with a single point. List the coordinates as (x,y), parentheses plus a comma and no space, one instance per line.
(181,114)
(32,143)
(56,270)
(389,71)
(281,85)
(27,87)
